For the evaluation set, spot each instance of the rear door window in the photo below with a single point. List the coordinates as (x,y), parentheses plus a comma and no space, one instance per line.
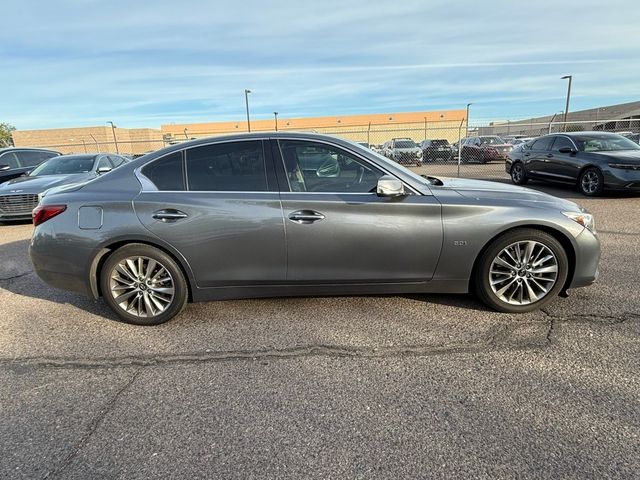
(542,144)
(9,159)
(227,167)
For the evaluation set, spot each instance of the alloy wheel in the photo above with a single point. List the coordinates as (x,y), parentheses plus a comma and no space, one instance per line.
(517,173)
(523,272)
(590,182)
(141,286)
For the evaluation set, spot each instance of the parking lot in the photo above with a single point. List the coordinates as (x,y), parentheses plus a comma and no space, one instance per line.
(339,387)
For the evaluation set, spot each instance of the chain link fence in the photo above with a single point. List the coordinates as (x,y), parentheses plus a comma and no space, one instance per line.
(435,148)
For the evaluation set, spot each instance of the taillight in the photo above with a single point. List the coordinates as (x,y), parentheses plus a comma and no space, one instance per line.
(42,213)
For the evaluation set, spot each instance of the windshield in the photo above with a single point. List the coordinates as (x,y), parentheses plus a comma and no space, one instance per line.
(405,144)
(64,165)
(440,143)
(491,141)
(605,143)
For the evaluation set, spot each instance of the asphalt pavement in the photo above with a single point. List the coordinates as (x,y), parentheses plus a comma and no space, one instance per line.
(433,386)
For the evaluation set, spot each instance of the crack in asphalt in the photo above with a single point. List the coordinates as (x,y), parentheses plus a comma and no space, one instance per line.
(13,277)
(92,427)
(499,338)
(615,232)
(495,342)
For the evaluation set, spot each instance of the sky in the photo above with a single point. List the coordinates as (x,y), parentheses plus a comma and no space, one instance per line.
(146,63)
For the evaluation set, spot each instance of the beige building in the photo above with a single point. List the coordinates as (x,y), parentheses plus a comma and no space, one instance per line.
(374,129)
(132,141)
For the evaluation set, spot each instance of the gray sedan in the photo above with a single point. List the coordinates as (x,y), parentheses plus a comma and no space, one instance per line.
(18,197)
(271,214)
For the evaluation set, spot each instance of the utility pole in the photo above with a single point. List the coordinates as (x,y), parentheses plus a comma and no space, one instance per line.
(113,130)
(467,120)
(275,114)
(566,108)
(246,103)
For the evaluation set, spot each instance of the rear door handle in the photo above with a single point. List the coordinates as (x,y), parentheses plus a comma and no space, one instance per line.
(169,215)
(305,216)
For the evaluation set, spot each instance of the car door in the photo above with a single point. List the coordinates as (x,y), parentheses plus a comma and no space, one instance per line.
(218,205)
(564,165)
(340,231)
(536,158)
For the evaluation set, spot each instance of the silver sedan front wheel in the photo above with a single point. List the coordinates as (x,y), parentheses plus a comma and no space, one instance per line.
(523,272)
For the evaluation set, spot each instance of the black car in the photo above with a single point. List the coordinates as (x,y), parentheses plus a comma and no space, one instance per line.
(18,161)
(434,150)
(594,161)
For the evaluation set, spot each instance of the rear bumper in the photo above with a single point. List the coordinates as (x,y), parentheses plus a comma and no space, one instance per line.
(16,216)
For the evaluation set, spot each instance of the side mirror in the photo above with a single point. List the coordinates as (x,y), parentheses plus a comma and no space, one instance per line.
(566,150)
(102,170)
(4,167)
(389,186)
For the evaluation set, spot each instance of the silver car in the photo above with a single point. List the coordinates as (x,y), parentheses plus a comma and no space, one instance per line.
(275,214)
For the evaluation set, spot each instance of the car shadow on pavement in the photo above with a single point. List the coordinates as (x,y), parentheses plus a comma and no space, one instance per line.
(17,276)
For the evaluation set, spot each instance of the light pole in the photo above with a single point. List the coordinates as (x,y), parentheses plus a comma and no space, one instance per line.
(246,103)
(566,108)
(113,130)
(552,119)
(275,115)
(466,134)
(185,134)
(95,141)
(425,127)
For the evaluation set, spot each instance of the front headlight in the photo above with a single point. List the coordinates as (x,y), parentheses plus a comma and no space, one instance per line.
(583,218)
(419,153)
(625,166)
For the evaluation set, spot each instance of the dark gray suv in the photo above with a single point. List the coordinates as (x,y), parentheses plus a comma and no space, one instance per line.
(269,214)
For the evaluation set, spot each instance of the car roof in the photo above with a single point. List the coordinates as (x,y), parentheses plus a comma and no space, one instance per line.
(7,149)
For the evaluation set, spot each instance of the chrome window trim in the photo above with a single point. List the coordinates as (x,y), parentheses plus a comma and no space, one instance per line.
(149,186)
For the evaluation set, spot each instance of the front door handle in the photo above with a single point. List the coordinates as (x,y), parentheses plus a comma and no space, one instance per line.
(305,216)
(169,215)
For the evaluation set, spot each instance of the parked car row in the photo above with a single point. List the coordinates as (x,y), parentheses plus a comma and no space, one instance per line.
(21,194)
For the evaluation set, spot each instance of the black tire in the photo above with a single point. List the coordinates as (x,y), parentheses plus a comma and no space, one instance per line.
(591,182)
(481,275)
(518,173)
(176,277)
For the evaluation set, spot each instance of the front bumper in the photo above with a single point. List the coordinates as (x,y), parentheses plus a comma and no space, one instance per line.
(15,216)
(587,246)
(621,179)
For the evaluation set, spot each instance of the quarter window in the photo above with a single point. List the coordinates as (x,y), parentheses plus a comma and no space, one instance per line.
(166,173)
(316,167)
(224,167)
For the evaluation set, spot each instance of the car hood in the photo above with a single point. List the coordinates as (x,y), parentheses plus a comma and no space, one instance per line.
(622,156)
(41,183)
(485,190)
(407,150)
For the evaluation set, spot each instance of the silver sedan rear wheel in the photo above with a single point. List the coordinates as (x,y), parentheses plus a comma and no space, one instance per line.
(141,286)
(523,272)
